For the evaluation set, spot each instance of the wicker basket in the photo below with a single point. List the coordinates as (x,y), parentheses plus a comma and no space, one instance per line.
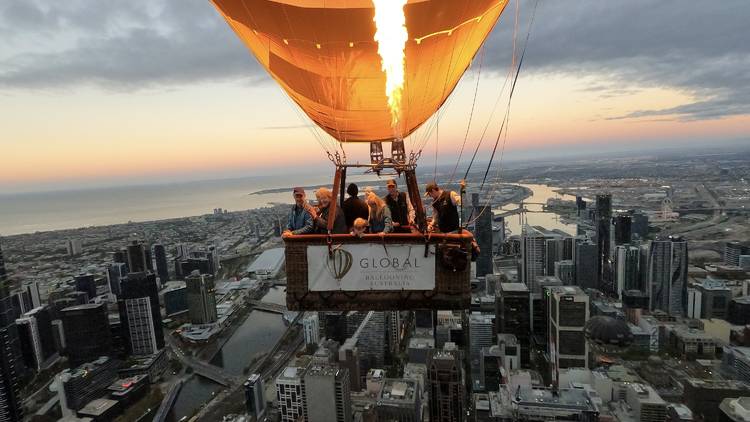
(452,288)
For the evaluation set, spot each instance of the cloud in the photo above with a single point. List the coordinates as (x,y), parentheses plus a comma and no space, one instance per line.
(698,47)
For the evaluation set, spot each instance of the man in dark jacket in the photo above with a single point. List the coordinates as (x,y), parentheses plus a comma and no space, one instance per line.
(402,213)
(301,216)
(354,207)
(445,208)
(325,199)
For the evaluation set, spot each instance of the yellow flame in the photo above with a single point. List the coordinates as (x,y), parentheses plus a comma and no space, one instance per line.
(391,36)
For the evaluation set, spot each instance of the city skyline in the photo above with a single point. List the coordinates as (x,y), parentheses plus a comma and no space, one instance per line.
(128,92)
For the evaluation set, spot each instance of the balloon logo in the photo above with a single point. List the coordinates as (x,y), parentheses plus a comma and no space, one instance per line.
(339,263)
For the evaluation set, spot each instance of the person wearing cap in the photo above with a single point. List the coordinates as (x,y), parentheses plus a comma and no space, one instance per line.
(445,208)
(402,213)
(353,206)
(302,216)
(325,198)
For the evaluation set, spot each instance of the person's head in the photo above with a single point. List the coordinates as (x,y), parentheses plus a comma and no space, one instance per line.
(299,196)
(392,187)
(433,190)
(324,197)
(359,227)
(375,203)
(352,190)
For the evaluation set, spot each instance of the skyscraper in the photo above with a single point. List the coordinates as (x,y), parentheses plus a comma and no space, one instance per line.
(116,271)
(311,328)
(667,270)
(445,386)
(732,252)
(603,239)
(139,257)
(513,310)
(35,333)
(533,248)
(568,312)
(289,394)
(585,262)
(201,298)
(483,235)
(481,335)
(255,401)
(86,331)
(85,283)
(566,272)
(11,366)
(326,394)
(623,232)
(140,315)
(627,260)
(162,266)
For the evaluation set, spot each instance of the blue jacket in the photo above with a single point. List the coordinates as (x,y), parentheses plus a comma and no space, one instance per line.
(384,225)
(300,220)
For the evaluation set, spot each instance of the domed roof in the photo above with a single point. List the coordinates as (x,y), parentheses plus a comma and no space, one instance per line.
(609,331)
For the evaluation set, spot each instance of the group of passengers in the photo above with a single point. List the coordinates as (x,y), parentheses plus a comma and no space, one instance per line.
(392,213)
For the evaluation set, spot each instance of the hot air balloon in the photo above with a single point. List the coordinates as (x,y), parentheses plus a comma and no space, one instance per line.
(369,71)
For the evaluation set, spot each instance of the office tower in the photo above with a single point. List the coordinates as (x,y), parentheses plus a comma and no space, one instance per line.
(481,334)
(424,319)
(532,254)
(739,311)
(554,251)
(667,271)
(490,369)
(174,298)
(289,394)
(87,382)
(394,331)
(568,312)
(326,394)
(116,271)
(85,283)
(311,328)
(498,234)
(201,298)
(646,403)
(255,401)
(371,339)
(514,315)
(140,315)
(31,290)
(399,401)
(580,206)
(445,386)
(160,258)
(87,335)
(138,257)
(623,229)
(638,225)
(483,235)
(565,271)
(11,363)
(74,247)
(603,239)
(627,261)
(36,337)
(733,251)
(586,266)
(711,299)
(349,359)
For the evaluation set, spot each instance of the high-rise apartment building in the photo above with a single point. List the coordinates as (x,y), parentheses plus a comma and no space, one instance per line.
(116,271)
(568,310)
(87,284)
(139,257)
(289,394)
(140,314)
(36,337)
(733,251)
(201,298)
(667,275)
(311,329)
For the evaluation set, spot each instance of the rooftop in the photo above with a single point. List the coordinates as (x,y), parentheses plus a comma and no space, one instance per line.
(97,407)
(571,398)
(513,287)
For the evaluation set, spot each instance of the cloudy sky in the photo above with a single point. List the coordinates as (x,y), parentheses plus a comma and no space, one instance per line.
(126,91)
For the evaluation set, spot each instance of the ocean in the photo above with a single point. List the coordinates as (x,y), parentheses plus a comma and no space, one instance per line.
(43,211)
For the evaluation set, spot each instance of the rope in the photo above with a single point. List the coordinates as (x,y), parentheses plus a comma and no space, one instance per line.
(471,116)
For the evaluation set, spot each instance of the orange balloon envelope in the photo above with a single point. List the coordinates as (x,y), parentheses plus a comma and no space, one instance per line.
(323,54)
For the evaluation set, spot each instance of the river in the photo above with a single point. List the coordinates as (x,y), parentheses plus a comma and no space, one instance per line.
(548,220)
(258,333)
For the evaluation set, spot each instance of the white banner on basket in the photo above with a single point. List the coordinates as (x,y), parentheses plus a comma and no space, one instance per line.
(370,266)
